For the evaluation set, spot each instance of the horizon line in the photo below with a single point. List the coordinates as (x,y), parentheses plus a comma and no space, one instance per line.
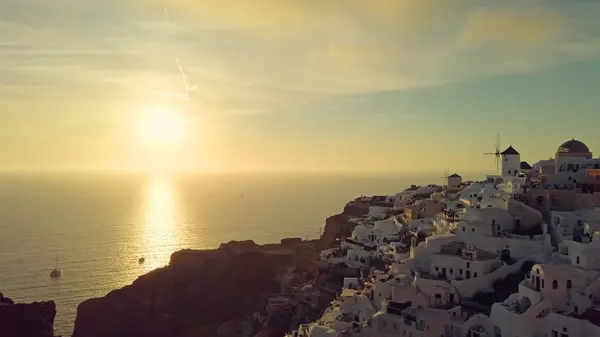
(421,173)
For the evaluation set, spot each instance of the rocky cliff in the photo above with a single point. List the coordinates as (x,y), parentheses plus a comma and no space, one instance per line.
(26,320)
(338,226)
(194,295)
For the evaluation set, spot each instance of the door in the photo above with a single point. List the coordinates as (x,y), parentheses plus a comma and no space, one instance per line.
(468,274)
(444,272)
(537,283)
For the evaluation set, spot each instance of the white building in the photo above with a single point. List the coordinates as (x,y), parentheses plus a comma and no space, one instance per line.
(572,224)
(457,261)
(400,319)
(454,181)
(474,246)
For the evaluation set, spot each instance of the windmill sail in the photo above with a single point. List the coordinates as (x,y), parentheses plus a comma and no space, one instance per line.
(497,153)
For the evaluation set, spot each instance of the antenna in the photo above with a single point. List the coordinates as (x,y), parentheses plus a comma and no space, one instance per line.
(496,154)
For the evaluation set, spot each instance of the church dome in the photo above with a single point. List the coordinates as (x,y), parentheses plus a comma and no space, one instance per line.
(573,146)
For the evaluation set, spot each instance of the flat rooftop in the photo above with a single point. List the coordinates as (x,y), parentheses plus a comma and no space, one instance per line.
(455,248)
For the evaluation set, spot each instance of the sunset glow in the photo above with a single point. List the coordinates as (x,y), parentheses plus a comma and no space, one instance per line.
(161,127)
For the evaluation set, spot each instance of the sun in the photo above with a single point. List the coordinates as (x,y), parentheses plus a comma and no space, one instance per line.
(161,126)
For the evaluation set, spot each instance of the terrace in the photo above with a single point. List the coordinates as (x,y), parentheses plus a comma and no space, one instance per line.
(457,248)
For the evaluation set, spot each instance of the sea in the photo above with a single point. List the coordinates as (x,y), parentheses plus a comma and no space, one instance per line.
(95,227)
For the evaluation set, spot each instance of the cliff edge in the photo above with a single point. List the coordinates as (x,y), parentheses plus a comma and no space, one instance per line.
(26,320)
(339,226)
(193,296)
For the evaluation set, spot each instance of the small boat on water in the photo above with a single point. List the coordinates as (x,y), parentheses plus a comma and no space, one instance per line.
(142,260)
(56,272)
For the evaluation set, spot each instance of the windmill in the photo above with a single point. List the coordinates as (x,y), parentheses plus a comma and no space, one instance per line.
(497,153)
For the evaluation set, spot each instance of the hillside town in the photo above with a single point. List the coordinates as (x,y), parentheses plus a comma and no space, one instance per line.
(515,255)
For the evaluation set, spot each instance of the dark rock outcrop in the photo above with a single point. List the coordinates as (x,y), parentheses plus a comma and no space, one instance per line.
(193,296)
(356,208)
(26,320)
(337,227)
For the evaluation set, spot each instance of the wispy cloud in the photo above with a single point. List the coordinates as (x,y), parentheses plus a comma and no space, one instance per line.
(513,27)
(251,55)
(345,47)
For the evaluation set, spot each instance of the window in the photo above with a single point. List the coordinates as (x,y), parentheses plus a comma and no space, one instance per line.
(451,271)
(569,284)
(554,333)
(578,260)
(554,284)
(468,265)
(473,230)
(437,268)
(474,274)
(460,271)
(463,228)
(497,331)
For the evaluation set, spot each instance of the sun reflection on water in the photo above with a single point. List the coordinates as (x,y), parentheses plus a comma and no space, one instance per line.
(161,234)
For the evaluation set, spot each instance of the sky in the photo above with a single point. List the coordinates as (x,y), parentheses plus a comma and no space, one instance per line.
(297,85)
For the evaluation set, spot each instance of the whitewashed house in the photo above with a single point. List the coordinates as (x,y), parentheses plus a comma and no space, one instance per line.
(454,181)
(570,224)
(548,298)
(400,319)
(458,261)
(379,212)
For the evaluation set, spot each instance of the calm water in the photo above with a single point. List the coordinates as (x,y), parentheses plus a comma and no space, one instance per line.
(99,226)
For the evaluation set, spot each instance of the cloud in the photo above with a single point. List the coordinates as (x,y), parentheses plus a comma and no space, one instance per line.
(349,57)
(276,18)
(514,28)
(355,46)
(255,55)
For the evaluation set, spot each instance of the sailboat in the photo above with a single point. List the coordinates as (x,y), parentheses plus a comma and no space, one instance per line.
(56,272)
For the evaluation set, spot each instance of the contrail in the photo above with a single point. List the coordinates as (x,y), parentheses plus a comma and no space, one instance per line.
(166,12)
(188,89)
(186,94)
(185,82)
